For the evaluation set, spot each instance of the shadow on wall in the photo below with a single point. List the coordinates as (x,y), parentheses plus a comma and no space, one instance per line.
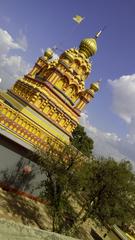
(95,235)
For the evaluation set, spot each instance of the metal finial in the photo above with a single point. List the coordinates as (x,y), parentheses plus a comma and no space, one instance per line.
(99,33)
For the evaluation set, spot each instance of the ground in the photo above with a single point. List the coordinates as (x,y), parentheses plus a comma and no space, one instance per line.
(23,210)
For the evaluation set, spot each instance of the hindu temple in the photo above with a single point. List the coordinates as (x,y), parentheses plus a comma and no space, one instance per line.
(48,100)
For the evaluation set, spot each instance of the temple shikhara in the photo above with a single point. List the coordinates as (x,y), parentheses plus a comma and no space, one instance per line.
(47,102)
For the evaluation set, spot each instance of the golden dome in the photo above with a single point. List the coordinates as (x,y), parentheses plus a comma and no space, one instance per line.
(95,86)
(88,47)
(48,53)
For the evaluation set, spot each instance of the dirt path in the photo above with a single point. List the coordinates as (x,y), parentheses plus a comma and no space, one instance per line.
(23,210)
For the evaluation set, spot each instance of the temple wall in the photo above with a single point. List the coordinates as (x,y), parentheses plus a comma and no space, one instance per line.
(10,152)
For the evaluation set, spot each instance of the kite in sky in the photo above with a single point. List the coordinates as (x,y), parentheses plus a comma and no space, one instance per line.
(78,19)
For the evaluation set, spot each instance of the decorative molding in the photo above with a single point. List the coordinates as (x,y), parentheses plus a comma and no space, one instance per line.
(47,116)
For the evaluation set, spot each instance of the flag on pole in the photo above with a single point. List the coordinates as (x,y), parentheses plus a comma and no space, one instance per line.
(78,19)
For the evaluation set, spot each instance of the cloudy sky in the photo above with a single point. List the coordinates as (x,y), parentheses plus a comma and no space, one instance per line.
(28,27)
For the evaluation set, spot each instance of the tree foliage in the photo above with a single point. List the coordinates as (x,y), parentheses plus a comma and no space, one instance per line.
(62,179)
(81,141)
(108,191)
(103,187)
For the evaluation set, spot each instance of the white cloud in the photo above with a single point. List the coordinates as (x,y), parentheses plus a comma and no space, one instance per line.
(55,55)
(123,90)
(105,143)
(22,40)
(6,42)
(42,51)
(11,65)
(110,144)
(123,101)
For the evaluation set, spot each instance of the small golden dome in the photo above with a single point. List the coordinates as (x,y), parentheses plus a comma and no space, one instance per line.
(48,53)
(95,86)
(88,47)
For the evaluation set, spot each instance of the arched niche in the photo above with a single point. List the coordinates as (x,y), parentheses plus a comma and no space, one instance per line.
(76,65)
(45,73)
(83,69)
(71,91)
(65,60)
(77,62)
(66,83)
(62,83)
(38,102)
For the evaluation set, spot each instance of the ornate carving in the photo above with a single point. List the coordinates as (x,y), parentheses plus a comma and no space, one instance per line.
(21,126)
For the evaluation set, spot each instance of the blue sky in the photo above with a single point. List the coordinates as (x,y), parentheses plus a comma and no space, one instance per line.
(26,27)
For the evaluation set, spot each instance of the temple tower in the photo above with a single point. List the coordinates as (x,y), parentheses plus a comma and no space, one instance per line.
(47,101)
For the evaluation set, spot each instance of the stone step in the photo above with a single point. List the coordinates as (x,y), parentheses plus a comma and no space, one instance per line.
(10,230)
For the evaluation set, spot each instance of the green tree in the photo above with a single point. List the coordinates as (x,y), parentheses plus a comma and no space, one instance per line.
(103,187)
(81,141)
(108,191)
(62,179)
